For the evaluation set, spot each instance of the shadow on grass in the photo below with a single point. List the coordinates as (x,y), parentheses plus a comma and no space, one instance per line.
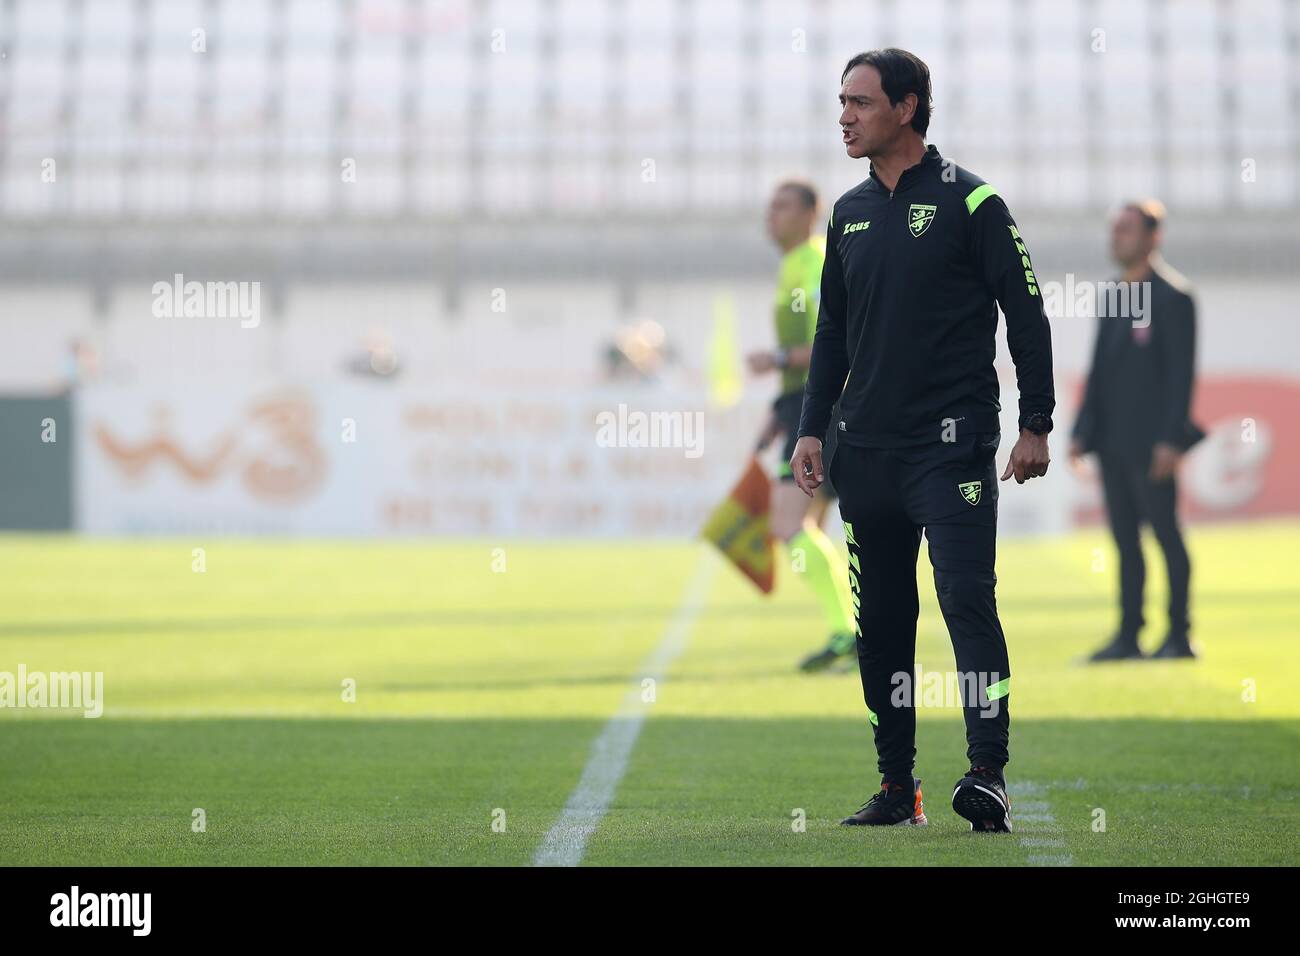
(697,791)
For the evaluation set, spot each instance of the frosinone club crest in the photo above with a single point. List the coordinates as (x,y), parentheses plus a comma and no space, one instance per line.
(919,217)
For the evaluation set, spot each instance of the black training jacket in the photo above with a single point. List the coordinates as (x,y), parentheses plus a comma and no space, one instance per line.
(909,297)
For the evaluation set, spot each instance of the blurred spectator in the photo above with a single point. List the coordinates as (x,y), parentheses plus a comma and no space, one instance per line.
(377,358)
(1135,417)
(81,364)
(639,351)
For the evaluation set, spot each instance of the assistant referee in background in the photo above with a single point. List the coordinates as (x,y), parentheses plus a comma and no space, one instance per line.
(918,258)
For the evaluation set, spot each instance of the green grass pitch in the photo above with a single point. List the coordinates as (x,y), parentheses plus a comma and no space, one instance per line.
(479,693)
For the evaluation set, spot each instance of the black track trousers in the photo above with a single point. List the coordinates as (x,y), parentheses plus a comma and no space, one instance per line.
(887,497)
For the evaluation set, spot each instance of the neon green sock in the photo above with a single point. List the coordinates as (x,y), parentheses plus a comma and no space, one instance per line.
(826,574)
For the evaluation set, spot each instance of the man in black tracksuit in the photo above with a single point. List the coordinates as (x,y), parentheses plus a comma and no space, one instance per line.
(918,258)
(1135,417)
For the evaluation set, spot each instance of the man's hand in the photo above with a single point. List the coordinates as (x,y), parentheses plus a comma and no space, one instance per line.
(806,464)
(1164,461)
(1029,458)
(760,362)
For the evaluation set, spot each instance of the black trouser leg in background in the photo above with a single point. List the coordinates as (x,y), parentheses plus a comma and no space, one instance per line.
(1124,515)
(1162,512)
(1131,498)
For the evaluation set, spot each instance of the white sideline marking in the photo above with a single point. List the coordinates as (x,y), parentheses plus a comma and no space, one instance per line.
(566,841)
(1040,842)
(1043,832)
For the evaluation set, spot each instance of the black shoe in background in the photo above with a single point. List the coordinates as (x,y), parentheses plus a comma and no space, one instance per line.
(1124,647)
(841,644)
(1175,646)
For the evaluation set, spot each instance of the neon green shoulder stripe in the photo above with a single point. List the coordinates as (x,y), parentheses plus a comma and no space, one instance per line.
(977,196)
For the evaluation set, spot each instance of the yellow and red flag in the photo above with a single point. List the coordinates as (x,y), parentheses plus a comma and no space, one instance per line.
(740,527)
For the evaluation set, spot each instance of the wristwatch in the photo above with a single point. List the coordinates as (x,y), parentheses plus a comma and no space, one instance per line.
(1038,423)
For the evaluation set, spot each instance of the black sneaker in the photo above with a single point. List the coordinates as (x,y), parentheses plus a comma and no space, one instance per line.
(981,797)
(841,644)
(895,805)
(1123,648)
(1175,646)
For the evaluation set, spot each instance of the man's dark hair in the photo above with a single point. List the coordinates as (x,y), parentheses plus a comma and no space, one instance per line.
(805,190)
(900,73)
(1151,211)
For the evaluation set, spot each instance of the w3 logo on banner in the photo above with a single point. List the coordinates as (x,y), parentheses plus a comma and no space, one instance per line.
(919,217)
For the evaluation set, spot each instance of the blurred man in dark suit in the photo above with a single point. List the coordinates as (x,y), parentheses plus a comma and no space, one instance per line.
(1135,417)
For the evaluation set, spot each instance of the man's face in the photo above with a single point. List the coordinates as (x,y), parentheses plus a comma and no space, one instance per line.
(1130,241)
(788,220)
(868,122)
